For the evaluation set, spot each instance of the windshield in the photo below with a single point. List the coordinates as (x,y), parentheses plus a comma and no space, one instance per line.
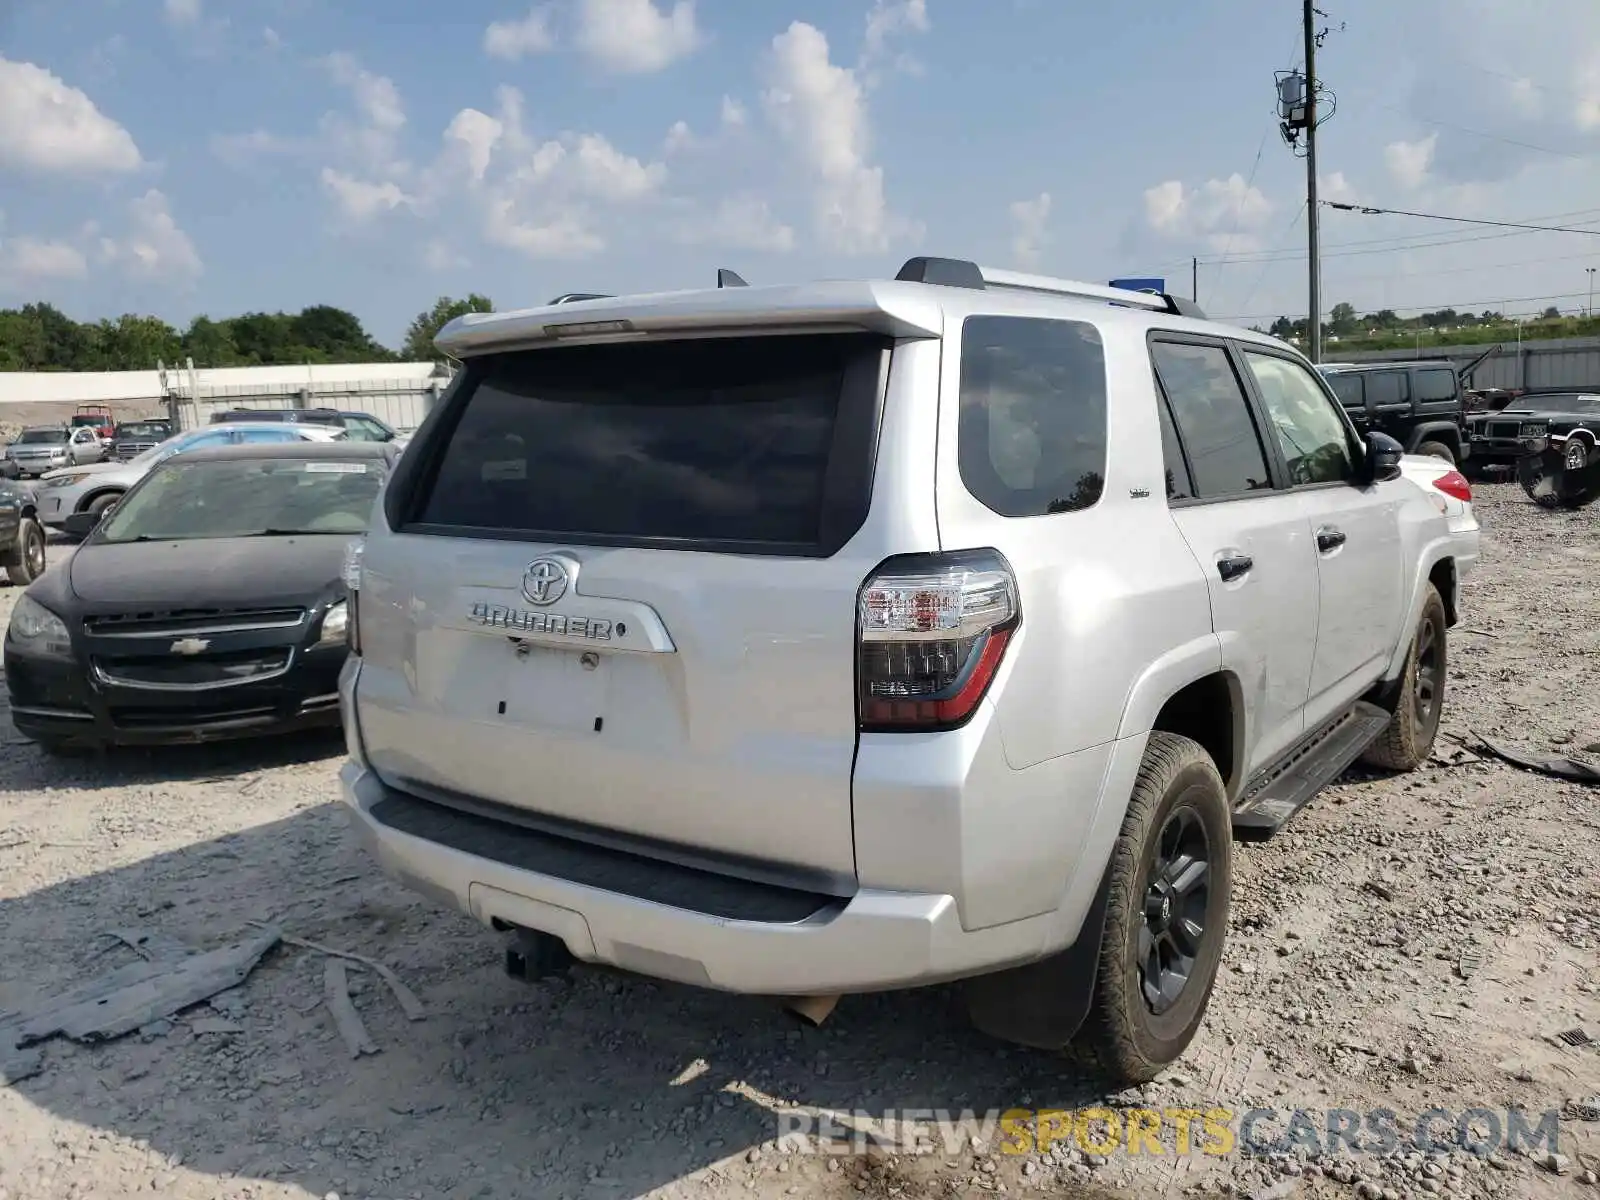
(41,437)
(1565,402)
(246,497)
(142,429)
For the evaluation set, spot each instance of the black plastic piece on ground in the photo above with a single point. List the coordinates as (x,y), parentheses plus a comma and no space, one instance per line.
(1288,787)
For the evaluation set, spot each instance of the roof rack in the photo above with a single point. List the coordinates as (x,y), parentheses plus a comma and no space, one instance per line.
(959,272)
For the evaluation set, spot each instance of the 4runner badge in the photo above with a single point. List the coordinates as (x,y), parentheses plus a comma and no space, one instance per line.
(517,620)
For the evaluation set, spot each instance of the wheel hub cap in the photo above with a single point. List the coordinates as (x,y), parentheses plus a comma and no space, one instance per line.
(1171,935)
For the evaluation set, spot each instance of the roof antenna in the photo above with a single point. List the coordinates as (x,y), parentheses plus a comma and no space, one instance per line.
(727,278)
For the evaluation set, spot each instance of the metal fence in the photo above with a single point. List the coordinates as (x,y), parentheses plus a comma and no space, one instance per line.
(399,403)
(1551,363)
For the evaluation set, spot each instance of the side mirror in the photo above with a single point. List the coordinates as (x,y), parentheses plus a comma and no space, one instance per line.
(82,524)
(1383,458)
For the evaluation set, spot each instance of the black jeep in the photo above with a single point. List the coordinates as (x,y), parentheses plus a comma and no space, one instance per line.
(1419,404)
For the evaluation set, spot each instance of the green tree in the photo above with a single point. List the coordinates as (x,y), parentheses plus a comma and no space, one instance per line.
(1342,320)
(419,345)
(135,343)
(330,334)
(210,343)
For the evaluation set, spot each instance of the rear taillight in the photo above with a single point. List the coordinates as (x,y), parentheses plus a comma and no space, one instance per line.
(351,574)
(932,630)
(1454,483)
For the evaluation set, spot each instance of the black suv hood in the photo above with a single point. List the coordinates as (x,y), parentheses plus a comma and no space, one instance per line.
(261,572)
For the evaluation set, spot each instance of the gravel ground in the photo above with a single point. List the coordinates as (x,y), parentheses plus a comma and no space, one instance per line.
(1407,943)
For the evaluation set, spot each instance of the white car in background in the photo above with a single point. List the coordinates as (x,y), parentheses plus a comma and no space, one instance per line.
(1452,495)
(95,488)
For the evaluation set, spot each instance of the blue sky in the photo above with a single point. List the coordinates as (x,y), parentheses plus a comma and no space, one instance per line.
(186,156)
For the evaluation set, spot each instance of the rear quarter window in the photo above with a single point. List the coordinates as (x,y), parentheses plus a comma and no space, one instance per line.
(1032,436)
(1436,385)
(1388,387)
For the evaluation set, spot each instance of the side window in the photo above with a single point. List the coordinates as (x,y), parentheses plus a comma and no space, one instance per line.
(1388,388)
(1179,485)
(1213,419)
(1436,385)
(1315,444)
(1032,436)
(1348,389)
(359,430)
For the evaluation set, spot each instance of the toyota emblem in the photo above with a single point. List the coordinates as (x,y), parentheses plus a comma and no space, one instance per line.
(545,581)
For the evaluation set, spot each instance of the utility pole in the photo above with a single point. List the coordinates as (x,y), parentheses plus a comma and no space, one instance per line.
(1314,260)
(1194,280)
(1589,312)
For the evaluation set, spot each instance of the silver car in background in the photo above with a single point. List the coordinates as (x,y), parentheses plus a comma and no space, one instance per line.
(96,488)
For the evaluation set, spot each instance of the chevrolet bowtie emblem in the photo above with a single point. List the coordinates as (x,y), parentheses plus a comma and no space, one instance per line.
(189,645)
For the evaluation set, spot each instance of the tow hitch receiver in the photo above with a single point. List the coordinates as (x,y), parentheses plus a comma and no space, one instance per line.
(533,955)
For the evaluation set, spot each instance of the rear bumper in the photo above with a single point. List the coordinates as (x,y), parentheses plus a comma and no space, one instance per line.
(872,941)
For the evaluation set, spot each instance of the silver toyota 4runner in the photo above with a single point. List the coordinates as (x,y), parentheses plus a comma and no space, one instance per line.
(810,640)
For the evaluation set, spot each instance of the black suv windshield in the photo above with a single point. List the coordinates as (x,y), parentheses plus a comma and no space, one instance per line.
(142,429)
(247,498)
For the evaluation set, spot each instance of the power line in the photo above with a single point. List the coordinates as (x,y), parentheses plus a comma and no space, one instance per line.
(1369,210)
(1385,245)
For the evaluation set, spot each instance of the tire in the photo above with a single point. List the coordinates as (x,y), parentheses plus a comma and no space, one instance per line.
(1576,455)
(1535,482)
(100,503)
(30,562)
(1178,792)
(1438,450)
(1407,741)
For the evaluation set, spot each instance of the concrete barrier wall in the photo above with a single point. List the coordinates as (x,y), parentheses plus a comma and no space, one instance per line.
(1557,363)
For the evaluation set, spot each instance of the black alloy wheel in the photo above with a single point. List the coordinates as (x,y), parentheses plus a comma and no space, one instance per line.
(1176,897)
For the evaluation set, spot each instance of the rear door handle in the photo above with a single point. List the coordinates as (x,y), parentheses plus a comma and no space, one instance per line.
(1235,566)
(1329,539)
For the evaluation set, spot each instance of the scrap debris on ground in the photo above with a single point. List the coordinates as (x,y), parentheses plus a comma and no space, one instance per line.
(1429,941)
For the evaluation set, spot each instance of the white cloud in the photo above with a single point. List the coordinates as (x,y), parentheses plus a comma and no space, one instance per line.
(27,261)
(733,113)
(437,255)
(1223,213)
(743,222)
(563,235)
(477,133)
(517,39)
(888,20)
(183,12)
(679,138)
(376,96)
(820,110)
(1586,114)
(634,36)
(1409,162)
(1028,221)
(1337,188)
(154,247)
(604,172)
(361,199)
(47,126)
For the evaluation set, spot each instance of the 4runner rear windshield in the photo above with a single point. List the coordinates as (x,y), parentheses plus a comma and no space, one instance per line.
(758,442)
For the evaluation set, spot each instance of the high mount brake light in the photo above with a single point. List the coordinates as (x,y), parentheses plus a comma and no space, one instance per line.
(932,630)
(1454,484)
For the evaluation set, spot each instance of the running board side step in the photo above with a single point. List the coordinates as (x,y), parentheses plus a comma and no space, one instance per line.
(1288,786)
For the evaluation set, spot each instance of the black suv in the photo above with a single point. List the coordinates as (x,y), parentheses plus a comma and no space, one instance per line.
(358,426)
(1419,404)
